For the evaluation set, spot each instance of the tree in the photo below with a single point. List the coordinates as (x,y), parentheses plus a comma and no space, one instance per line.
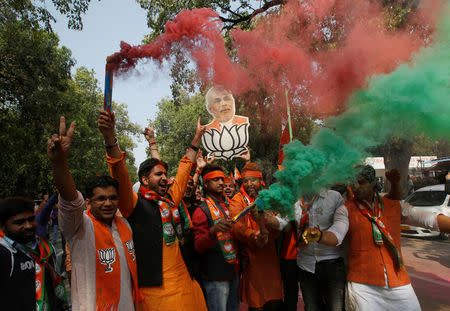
(35,89)
(86,100)
(33,73)
(175,126)
(232,13)
(35,13)
(423,145)
(261,105)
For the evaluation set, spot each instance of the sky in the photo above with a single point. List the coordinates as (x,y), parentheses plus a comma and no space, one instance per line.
(105,24)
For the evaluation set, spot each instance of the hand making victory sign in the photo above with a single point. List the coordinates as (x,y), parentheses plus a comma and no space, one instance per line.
(58,146)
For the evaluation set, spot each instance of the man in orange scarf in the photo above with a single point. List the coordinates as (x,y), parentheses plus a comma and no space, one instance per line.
(104,274)
(260,287)
(377,277)
(214,243)
(153,213)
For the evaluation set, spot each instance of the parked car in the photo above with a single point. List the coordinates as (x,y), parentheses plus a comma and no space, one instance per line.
(431,199)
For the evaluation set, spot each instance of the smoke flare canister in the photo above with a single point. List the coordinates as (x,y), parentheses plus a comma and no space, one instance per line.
(108,87)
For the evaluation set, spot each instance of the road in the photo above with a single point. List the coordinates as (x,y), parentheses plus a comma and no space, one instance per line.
(428,265)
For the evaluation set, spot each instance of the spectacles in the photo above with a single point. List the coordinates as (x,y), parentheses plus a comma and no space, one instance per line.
(102,198)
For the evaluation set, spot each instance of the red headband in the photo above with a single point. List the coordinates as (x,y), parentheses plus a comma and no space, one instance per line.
(256,174)
(212,175)
(228,180)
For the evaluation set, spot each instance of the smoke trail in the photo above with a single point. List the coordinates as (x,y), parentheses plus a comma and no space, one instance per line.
(198,32)
(415,98)
(321,51)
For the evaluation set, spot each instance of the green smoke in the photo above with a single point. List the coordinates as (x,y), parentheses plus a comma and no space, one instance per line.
(413,99)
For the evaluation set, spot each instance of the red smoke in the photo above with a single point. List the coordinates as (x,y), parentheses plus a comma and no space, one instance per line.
(321,51)
(197,31)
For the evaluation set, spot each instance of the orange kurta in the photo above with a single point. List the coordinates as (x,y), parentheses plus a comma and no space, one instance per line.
(178,290)
(261,279)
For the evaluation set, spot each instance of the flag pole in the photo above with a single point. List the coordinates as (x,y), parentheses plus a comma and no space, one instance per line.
(288,109)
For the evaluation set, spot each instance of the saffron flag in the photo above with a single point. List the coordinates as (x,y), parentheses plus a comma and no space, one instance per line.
(286,134)
(237,175)
(285,139)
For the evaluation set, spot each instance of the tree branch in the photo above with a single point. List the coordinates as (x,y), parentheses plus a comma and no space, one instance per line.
(267,5)
(227,9)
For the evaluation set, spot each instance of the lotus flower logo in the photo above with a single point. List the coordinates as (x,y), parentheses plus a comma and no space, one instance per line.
(227,143)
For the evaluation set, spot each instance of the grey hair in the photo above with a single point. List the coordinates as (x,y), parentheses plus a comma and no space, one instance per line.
(217,88)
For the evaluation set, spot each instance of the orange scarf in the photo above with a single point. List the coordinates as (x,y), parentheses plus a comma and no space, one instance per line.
(247,198)
(107,270)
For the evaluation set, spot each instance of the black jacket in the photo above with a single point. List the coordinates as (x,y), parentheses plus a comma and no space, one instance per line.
(17,281)
(213,266)
(145,220)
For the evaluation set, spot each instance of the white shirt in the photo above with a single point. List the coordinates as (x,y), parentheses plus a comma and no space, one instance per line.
(78,231)
(320,214)
(410,215)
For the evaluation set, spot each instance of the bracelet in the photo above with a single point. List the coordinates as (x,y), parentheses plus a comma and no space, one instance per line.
(153,143)
(193,147)
(111,146)
(198,171)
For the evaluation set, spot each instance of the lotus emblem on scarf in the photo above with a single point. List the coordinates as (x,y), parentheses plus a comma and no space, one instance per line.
(227,143)
(107,256)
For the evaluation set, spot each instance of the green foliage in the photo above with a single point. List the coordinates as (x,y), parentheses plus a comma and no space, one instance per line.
(35,13)
(397,12)
(233,13)
(35,89)
(33,74)
(423,145)
(86,100)
(175,126)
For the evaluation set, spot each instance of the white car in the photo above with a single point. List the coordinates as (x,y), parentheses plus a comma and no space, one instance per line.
(431,199)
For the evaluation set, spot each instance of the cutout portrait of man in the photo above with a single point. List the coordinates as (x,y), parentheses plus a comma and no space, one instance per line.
(220,105)
(227,134)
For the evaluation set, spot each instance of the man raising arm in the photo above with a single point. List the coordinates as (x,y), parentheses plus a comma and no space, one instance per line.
(155,219)
(103,262)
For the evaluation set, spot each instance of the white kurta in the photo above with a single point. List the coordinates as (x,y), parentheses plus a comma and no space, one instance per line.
(78,231)
(364,297)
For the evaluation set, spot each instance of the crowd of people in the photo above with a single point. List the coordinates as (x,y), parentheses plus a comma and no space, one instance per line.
(184,243)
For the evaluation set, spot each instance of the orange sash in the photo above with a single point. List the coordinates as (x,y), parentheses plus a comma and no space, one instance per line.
(107,270)
(225,239)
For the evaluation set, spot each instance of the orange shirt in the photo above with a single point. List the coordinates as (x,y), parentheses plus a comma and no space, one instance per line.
(289,246)
(261,279)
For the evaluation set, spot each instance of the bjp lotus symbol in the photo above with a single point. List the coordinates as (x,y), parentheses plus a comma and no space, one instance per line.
(227,143)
